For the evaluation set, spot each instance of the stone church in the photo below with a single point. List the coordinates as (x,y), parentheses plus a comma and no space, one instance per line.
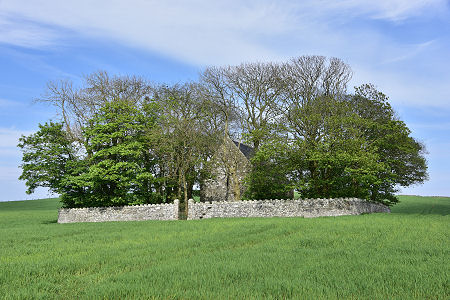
(228,168)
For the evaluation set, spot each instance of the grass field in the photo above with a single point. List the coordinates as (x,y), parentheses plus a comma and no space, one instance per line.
(402,255)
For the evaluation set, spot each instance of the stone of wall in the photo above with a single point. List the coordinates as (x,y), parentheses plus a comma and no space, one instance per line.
(307,208)
(122,213)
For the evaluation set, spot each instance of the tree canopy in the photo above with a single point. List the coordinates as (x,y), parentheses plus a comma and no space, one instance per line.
(123,140)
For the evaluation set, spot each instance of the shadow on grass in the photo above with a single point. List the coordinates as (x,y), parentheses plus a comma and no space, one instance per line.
(50,221)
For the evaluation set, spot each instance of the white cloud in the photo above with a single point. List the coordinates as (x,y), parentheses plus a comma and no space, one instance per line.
(229,32)
(407,89)
(407,52)
(200,32)
(25,34)
(393,10)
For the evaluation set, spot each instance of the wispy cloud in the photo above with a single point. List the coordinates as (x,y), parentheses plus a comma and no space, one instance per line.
(228,32)
(23,33)
(392,10)
(201,32)
(198,32)
(408,51)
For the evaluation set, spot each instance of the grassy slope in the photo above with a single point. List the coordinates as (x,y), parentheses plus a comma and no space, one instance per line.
(401,255)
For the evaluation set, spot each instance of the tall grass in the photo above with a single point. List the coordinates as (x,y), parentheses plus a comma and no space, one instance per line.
(402,255)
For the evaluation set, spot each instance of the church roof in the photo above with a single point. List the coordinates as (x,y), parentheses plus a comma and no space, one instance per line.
(246,150)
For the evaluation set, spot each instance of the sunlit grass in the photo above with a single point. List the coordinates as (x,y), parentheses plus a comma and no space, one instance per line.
(402,255)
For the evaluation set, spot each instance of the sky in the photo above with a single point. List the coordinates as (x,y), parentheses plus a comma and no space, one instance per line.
(400,46)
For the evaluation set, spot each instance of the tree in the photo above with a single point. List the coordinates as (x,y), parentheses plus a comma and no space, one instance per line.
(114,168)
(340,145)
(119,164)
(271,172)
(122,140)
(332,159)
(46,154)
(402,155)
(76,105)
(257,88)
(308,83)
(186,139)
(243,95)
(353,146)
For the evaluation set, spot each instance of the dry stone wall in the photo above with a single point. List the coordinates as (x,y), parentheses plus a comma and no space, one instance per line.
(122,213)
(307,208)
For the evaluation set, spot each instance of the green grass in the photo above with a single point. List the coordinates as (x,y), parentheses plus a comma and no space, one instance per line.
(402,255)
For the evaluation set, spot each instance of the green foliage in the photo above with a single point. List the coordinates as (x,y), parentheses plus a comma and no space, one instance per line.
(117,167)
(186,139)
(391,140)
(45,157)
(119,172)
(339,168)
(117,147)
(268,178)
(402,255)
(349,147)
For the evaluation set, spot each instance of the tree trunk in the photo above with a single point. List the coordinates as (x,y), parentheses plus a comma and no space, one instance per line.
(185,194)
(227,187)
(180,182)
(235,184)
(190,188)
(236,187)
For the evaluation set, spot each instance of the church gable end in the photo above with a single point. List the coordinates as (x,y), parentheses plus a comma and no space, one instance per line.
(228,168)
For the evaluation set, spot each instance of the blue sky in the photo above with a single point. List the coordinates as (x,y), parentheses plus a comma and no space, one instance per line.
(401,46)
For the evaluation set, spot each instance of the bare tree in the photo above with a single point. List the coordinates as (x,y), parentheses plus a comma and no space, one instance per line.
(308,82)
(218,91)
(75,105)
(257,88)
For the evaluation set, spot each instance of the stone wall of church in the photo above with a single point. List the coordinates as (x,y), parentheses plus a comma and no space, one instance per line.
(227,167)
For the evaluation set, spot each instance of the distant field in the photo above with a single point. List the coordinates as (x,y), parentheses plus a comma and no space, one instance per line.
(402,255)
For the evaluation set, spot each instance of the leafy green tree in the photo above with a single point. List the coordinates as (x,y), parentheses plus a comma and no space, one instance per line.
(353,146)
(119,170)
(269,177)
(186,138)
(46,154)
(114,168)
(330,156)
(403,156)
